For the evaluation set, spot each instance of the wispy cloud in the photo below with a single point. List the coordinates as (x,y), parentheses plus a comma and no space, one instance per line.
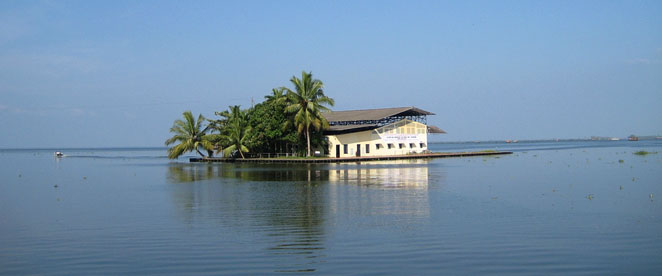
(641,61)
(23,23)
(47,111)
(20,19)
(53,65)
(656,58)
(11,109)
(12,28)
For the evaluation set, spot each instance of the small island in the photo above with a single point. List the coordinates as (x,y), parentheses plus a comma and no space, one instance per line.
(297,126)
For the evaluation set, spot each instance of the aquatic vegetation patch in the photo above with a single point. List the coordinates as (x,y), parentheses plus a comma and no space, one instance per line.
(643,152)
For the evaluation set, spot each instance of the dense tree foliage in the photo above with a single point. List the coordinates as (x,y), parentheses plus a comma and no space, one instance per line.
(287,121)
(270,134)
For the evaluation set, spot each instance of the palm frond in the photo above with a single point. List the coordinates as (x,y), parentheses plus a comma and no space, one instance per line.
(227,151)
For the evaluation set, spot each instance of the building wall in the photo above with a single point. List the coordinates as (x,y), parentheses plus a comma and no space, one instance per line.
(404,137)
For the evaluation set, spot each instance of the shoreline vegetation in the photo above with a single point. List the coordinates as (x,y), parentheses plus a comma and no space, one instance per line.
(325,159)
(288,121)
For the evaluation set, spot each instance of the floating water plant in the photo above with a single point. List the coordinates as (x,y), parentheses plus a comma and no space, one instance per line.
(620,161)
(643,152)
(590,197)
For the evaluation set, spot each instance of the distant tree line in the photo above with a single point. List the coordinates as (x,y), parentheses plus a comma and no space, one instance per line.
(287,121)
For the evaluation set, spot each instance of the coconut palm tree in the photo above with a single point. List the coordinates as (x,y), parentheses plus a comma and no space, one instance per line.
(277,96)
(190,135)
(235,131)
(307,102)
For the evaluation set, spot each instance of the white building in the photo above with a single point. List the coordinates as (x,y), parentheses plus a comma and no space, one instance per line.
(378,132)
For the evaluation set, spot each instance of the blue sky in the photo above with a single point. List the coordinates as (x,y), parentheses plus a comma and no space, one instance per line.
(118,73)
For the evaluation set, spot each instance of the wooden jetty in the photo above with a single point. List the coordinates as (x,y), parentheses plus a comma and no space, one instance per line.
(349,159)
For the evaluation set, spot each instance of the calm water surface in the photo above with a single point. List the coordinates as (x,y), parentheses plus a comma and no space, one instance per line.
(549,208)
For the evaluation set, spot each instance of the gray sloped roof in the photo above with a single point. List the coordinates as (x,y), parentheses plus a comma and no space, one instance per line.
(373,114)
(349,128)
(434,129)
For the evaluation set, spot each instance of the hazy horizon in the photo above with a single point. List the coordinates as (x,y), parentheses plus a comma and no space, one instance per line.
(117,74)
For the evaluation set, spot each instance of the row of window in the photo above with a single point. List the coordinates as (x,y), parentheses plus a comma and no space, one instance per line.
(389,145)
(401,145)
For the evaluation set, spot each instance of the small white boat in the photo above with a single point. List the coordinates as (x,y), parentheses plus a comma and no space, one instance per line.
(59,154)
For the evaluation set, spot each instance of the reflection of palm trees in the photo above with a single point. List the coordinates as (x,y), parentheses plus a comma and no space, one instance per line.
(298,226)
(183,173)
(189,173)
(291,211)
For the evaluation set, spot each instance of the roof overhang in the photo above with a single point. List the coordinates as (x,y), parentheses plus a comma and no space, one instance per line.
(344,129)
(435,130)
(373,114)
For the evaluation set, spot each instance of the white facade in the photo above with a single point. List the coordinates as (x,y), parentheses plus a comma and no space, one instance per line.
(398,138)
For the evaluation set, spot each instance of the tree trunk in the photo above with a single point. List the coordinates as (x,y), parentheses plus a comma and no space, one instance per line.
(196,149)
(308,139)
(241,153)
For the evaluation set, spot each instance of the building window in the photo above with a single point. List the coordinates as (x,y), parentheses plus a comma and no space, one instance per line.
(412,145)
(390,146)
(402,145)
(422,145)
(344,148)
(378,146)
(367,148)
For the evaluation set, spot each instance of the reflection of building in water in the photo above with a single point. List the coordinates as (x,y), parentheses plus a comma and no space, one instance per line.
(397,189)
(396,173)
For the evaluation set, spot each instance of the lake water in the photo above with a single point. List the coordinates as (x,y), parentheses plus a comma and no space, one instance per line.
(580,207)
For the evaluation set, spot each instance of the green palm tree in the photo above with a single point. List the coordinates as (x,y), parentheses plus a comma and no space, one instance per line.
(190,135)
(236,131)
(307,102)
(277,96)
